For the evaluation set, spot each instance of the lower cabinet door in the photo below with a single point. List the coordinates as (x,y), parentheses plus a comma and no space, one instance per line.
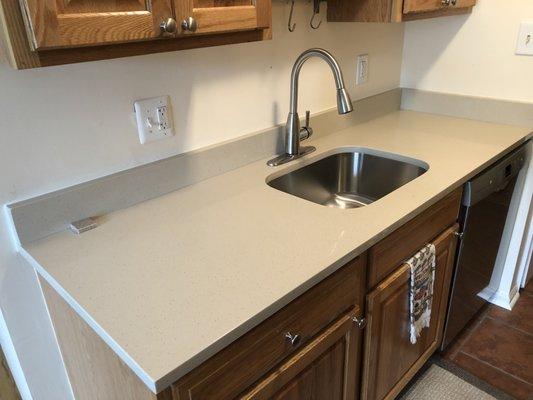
(390,360)
(326,369)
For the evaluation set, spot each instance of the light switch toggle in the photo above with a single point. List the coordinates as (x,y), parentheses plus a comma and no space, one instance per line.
(524,45)
(361,74)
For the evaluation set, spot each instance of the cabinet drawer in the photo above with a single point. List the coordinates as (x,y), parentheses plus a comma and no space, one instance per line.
(388,254)
(327,368)
(238,366)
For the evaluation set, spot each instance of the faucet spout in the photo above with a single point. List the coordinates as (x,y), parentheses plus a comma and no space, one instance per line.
(344,103)
(293,132)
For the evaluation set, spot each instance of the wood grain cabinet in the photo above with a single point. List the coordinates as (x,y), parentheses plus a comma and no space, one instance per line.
(50,32)
(436,6)
(327,368)
(73,23)
(216,16)
(390,359)
(394,10)
(309,348)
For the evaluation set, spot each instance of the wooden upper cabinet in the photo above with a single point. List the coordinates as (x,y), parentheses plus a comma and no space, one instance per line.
(217,16)
(74,23)
(394,10)
(418,6)
(422,5)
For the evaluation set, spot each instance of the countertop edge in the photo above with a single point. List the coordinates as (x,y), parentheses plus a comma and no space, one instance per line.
(122,354)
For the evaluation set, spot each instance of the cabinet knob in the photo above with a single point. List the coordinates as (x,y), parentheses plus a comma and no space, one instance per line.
(446,2)
(169,26)
(293,339)
(360,322)
(189,24)
(454,2)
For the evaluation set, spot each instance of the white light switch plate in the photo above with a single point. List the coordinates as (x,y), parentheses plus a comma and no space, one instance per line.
(524,45)
(361,74)
(154,118)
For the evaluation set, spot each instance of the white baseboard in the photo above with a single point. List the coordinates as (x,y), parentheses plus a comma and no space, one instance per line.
(500,299)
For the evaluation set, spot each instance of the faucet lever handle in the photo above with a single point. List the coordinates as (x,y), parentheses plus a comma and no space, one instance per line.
(306,131)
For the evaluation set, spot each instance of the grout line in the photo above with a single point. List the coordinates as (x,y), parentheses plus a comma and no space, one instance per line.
(468,332)
(509,325)
(497,368)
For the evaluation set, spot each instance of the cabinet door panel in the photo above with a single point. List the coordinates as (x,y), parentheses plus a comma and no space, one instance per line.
(412,6)
(74,23)
(465,3)
(417,6)
(326,369)
(390,360)
(218,16)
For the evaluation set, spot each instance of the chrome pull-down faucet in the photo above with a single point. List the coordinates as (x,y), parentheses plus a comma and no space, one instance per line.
(294,134)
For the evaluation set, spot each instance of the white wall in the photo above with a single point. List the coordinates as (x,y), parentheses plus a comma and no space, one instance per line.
(475,55)
(471,54)
(63,125)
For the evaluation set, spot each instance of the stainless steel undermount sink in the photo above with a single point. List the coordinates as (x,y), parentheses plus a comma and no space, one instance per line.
(350,178)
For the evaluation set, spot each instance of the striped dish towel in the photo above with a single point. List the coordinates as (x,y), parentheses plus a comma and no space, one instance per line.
(421,291)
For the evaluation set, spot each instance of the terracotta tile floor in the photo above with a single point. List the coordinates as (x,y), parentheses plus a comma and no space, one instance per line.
(497,347)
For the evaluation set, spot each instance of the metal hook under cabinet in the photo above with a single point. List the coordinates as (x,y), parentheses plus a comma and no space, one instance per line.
(290,25)
(316,11)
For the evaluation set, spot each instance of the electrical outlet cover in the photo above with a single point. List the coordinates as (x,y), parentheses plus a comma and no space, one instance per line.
(524,45)
(361,74)
(154,118)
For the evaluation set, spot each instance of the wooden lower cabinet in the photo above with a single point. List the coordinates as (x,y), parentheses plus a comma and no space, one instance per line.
(327,368)
(316,318)
(390,360)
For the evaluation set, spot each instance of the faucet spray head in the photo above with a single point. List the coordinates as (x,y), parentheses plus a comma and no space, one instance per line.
(344,103)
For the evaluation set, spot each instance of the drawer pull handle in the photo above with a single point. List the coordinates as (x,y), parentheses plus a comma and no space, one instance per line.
(361,323)
(293,339)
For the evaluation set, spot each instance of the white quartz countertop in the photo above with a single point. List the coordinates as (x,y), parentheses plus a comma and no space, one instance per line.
(169,282)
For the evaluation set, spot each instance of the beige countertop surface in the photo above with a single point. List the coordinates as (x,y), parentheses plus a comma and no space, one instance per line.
(169,282)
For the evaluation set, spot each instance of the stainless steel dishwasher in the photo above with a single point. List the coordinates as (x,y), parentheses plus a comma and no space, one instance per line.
(485,204)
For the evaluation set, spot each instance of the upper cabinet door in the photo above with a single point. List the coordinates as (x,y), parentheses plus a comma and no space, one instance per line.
(411,6)
(416,6)
(74,23)
(218,16)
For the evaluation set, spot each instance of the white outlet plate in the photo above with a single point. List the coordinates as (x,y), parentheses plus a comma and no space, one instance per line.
(524,45)
(361,73)
(154,118)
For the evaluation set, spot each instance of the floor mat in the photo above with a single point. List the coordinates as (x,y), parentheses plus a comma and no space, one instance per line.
(438,384)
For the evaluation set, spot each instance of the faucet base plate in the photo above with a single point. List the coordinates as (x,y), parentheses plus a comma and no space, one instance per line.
(285,158)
